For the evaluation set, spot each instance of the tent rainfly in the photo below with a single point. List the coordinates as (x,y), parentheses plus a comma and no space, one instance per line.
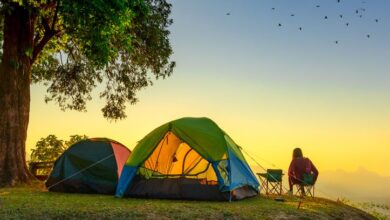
(89,166)
(188,158)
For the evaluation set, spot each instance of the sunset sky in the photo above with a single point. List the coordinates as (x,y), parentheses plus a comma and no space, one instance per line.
(271,88)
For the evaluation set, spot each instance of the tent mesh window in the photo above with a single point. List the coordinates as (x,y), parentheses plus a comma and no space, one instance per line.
(174,158)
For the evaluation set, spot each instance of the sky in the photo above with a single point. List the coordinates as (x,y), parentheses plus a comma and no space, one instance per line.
(271,88)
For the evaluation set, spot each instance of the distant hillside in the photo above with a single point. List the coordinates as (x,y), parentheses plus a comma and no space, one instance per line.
(361,185)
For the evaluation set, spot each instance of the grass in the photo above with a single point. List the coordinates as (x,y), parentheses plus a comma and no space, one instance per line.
(379,211)
(37,203)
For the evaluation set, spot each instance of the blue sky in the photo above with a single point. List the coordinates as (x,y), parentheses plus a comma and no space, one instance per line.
(249,45)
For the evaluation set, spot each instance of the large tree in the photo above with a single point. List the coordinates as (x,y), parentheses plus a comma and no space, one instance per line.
(72,46)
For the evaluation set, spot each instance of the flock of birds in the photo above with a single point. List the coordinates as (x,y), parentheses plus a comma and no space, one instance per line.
(359,12)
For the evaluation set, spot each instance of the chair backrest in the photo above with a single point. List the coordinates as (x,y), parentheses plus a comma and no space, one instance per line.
(274,175)
(308,179)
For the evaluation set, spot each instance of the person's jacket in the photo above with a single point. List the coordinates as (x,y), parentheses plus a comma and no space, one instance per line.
(301,165)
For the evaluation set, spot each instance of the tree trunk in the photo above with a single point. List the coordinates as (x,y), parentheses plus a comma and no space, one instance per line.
(15,74)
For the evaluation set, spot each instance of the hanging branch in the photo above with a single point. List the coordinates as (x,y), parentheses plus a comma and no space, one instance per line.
(49,31)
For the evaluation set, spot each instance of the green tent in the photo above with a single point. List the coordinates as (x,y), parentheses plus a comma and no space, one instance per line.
(188,158)
(89,166)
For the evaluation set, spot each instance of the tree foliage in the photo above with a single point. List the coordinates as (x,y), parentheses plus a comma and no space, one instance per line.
(74,139)
(48,149)
(122,44)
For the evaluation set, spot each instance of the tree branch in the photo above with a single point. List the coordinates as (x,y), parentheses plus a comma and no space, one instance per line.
(39,47)
(45,24)
(55,15)
(37,36)
(49,33)
(49,5)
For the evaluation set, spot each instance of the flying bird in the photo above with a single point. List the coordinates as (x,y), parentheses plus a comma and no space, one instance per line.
(273,8)
(280,25)
(228,13)
(300,28)
(376,20)
(317,6)
(336,42)
(341,16)
(357,11)
(292,15)
(347,23)
(326,17)
(368,36)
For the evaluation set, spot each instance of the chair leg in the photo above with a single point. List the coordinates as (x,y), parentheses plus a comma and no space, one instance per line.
(281,189)
(300,190)
(313,190)
(273,188)
(264,187)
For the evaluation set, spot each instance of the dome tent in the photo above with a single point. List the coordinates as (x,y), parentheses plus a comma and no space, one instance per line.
(89,166)
(188,158)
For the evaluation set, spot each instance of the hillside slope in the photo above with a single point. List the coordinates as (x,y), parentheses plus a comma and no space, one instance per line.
(360,185)
(34,203)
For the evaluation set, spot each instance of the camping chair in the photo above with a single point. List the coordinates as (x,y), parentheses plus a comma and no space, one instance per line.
(272,180)
(307,185)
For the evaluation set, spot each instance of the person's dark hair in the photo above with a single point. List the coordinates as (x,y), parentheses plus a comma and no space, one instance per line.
(297,153)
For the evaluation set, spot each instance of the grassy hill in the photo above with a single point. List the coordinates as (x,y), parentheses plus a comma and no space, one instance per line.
(360,188)
(36,203)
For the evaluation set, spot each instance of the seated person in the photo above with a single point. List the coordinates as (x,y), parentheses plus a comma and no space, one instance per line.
(298,166)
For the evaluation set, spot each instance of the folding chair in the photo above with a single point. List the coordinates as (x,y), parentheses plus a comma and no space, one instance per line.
(307,186)
(272,180)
